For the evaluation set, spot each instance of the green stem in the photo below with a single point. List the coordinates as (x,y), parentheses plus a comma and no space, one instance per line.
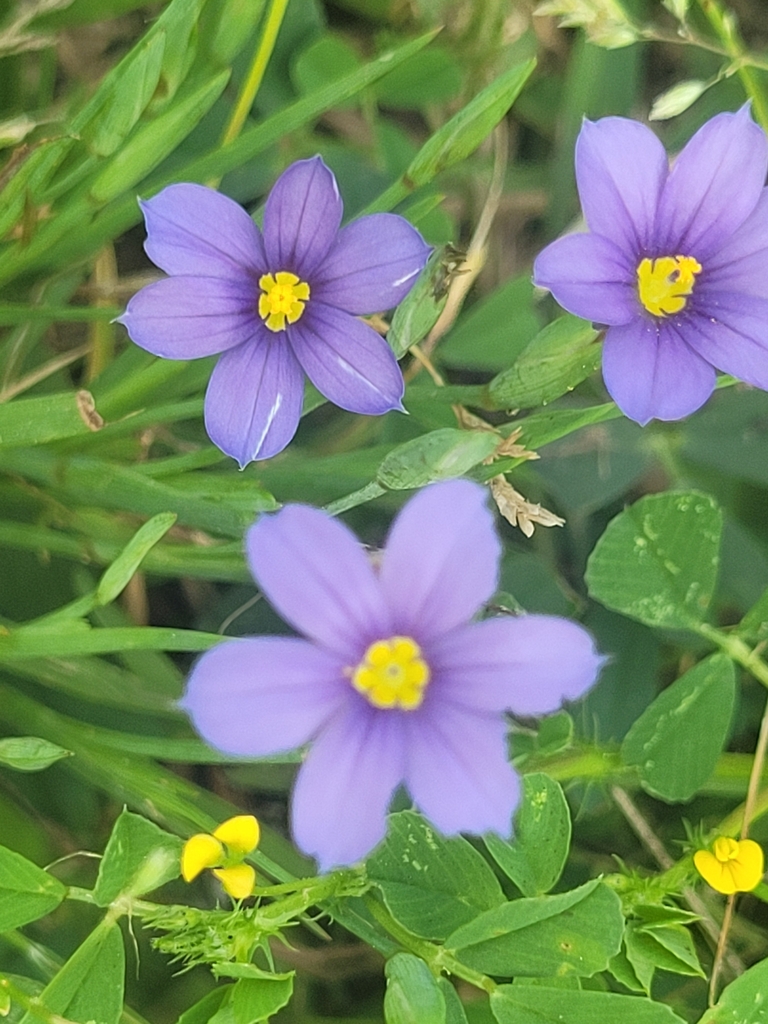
(724,25)
(437,957)
(256,73)
(737,650)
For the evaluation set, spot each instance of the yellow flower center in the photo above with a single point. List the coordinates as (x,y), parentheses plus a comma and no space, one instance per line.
(392,674)
(282,298)
(725,849)
(663,284)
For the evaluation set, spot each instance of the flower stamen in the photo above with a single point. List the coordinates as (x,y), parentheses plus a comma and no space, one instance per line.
(664,284)
(392,674)
(283,298)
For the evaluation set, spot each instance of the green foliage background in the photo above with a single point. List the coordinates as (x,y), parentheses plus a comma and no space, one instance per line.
(121,525)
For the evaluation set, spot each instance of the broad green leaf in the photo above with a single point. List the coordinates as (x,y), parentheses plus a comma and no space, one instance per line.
(433,77)
(668,948)
(89,987)
(431,884)
(657,561)
(439,455)
(677,740)
(576,932)
(454,1008)
(464,132)
(561,356)
(413,995)
(325,60)
(743,1001)
(205,1008)
(118,575)
(139,858)
(155,140)
(535,857)
(26,891)
(256,999)
(30,753)
(518,1004)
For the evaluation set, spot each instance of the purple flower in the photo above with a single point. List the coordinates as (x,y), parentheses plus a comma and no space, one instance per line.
(276,304)
(674,263)
(394,683)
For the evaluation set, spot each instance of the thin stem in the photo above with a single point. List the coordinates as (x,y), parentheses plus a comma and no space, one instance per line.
(736,649)
(756,774)
(724,26)
(721,947)
(256,74)
(437,957)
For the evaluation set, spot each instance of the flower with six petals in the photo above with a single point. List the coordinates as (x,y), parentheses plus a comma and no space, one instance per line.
(276,304)
(223,851)
(394,684)
(673,263)
(733,865)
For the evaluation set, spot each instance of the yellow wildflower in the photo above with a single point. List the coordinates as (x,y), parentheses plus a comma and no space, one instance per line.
(223,851)
(733,865)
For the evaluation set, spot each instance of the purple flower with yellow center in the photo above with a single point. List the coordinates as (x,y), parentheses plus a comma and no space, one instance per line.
(276,304)
(674,261)
(394,683)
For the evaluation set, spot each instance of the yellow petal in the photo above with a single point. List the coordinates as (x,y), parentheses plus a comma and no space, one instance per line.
(201,851)
(748,865)
(237,881)
(712,871)
(240,833)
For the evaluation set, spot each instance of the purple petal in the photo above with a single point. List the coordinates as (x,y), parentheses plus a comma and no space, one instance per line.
(650,371)
(457,770)
(193,230)
(441,559)
(620,170)
(740,264)
(342,793)
(714,185)
(372,266)
(527,665)
(347,360)
(254,397)
(302,217)
(316,574)
(590,277)
(732,334)
(260,696)
(189,317)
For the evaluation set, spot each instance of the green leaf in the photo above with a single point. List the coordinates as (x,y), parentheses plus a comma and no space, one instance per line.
(205,1008)
(535,858)
(454,1008)
(413,995)
(657,561)
(28,421)
(154,141)
(139,858)
(517,1004)
(574,933)
(439,455)
(30,753)
(89,987)
(677,740)
(561,356)
(256,999)
(743,1001)
(431,884)
(26,891)
(464,132)
(118,575)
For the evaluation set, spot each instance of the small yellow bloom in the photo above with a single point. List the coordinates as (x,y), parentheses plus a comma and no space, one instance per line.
(734,865)
(224,852)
